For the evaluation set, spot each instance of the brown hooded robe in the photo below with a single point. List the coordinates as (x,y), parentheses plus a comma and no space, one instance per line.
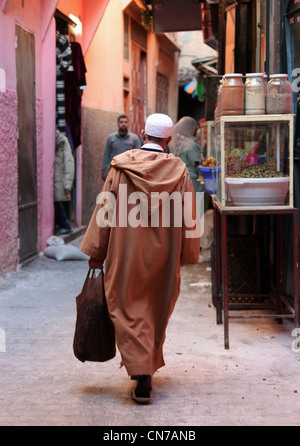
(142,263)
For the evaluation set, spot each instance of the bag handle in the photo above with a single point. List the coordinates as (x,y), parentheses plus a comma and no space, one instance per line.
(92,273)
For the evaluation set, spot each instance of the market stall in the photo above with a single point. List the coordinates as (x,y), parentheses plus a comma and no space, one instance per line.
(251,182)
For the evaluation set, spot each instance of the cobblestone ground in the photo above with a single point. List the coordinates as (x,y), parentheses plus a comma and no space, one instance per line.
(256,382)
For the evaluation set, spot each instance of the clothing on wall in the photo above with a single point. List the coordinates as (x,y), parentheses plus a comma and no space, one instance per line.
(63,61)
(75,82)
(64,173)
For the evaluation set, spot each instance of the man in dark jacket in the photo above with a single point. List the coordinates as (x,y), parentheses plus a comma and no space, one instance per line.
(117,143)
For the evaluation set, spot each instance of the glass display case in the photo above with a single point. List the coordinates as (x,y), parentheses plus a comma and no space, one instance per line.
(254,157)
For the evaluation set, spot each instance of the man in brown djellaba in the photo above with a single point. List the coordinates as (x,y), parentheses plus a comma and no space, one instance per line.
(143,246)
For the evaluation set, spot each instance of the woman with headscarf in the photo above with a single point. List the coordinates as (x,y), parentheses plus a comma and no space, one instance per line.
(184,145)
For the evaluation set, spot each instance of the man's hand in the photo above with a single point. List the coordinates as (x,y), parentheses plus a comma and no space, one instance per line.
(95,264)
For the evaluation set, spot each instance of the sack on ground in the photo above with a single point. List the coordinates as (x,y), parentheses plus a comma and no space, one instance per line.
(65,252)
(94,338)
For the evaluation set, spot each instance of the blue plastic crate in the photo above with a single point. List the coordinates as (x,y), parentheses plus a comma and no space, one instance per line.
(210,178)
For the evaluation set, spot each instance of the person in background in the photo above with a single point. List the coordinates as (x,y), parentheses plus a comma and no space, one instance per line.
(118,142)
(64,170)
(202,138)
(143,257)
(185,146)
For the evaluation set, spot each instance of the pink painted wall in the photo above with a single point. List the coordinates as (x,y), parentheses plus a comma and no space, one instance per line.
(107,65)
(48,9)
(29,18)
(89,12)
(74,7)
(104,60)
(92,14)
(34,17)
(102,46)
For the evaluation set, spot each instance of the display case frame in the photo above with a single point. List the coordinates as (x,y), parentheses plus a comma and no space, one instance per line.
(275,302)
(219,127)
(207,125)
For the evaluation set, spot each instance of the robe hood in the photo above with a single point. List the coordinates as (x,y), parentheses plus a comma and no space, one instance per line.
(150,171)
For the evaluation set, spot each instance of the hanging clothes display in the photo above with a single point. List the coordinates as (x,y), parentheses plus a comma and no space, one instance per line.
(75,81)
(63,61)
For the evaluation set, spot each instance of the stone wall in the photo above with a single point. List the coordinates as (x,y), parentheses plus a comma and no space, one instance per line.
(96,126)
(8,182)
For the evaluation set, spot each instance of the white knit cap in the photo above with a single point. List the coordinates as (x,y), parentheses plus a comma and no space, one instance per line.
(159,125)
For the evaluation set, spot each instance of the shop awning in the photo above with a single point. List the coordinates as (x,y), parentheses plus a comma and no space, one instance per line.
(176,15)
(185,15)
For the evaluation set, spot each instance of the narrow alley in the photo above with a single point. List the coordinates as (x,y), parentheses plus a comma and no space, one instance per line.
(254,383)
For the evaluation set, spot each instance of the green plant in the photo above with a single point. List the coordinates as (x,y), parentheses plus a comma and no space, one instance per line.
(146,18)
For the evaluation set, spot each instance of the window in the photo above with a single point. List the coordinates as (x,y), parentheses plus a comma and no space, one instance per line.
(126,37)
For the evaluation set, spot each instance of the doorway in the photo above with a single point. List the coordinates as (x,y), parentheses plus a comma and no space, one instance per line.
(27,188)
(162,93)
(138,77)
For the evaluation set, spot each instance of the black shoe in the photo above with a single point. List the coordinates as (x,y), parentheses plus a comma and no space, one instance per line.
(64,231)
(142,393)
